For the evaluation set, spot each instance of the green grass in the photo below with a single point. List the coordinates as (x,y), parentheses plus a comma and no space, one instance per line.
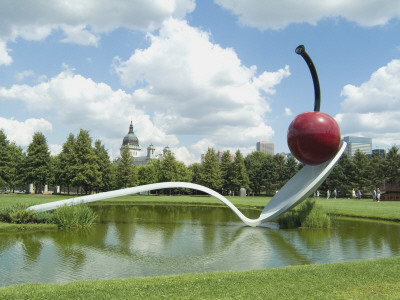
(27,199)
(364,208)
(374,279)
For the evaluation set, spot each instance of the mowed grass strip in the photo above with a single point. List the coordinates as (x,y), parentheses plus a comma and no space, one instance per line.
(374,279)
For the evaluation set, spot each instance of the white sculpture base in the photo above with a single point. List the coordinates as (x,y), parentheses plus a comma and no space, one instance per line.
(297,189)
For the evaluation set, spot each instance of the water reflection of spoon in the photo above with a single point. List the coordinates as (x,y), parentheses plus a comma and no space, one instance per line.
(297,189)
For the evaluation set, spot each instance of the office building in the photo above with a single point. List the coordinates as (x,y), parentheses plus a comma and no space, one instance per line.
(355,143)
(265,147)
(380,152)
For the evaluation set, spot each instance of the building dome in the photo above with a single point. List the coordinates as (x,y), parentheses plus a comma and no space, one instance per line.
(132,142)
(130,138)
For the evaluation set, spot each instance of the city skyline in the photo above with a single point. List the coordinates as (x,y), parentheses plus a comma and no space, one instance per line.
(196,74)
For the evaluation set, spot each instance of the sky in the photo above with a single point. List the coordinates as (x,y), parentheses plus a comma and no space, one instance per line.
(196,74)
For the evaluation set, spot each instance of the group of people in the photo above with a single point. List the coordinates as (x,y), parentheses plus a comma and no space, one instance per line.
(376,195)
(328,194)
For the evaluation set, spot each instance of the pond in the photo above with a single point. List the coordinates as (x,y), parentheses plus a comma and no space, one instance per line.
(151,240)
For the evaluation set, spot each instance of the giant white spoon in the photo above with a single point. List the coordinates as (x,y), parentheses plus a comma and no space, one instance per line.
(297,189)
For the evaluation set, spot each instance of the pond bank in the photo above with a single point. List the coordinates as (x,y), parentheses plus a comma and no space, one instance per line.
(370,279)
(364,208)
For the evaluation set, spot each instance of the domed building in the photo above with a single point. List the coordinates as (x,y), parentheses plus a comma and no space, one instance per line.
(132,142)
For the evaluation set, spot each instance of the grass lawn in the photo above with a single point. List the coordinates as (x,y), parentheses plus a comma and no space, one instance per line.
(374,279)
(11,199)
(364,208)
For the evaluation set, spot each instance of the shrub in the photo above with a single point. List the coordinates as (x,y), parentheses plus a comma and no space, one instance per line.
(43,217)
(307,214)
(5,212)
(74,216)
(21,216)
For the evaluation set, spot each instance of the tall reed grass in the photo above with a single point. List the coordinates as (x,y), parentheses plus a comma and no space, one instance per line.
(77,216)
(308,215)
(74,216)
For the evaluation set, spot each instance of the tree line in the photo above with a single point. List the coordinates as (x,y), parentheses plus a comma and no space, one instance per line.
(85,167)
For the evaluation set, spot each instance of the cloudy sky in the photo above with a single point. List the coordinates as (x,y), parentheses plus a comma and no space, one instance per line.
(196,74)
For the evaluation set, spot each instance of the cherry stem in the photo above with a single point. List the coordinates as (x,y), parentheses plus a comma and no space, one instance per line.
(301,50)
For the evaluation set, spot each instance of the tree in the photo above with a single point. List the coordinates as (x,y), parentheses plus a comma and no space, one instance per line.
(226,171)
(341,177)
(196,170)
(103,161)
(279,169)
(268,169)
(210,175)
(360,178)
(37,168)
(183,173)
(290,169)
(149,173)
(15,166)
(254,162)
(375,171)
(168,168)
(392,165)
(126,172)
(4,158)
(240,179)
(64,164)
(85,170)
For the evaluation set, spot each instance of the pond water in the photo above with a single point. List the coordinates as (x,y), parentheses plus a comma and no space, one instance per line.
(151,240)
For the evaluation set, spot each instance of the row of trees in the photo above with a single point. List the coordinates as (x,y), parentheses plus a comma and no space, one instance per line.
(88,168)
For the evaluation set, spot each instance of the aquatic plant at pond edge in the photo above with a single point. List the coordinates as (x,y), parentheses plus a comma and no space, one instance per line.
(307,214)
(75,216)
(18,214)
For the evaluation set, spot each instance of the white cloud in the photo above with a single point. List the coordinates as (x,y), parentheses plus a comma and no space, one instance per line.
(79,102)
(279,14)
(5,58)
(21,132)
(373,108)
(82,21)
(184,155)
(55,149)
(203,145)
(21,76)
(79,35)
(199,88)
(288,111)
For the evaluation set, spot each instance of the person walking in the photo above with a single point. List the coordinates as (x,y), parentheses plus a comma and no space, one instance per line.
(328,194)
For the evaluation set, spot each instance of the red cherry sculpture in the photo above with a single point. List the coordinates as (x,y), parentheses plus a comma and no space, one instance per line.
(313,137)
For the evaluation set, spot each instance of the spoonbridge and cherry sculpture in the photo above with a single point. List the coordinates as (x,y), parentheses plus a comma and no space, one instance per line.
(313,138)
(297,189)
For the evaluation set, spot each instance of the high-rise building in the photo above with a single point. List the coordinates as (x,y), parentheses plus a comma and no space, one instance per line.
(380,152)
(355,143)
(266,147)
